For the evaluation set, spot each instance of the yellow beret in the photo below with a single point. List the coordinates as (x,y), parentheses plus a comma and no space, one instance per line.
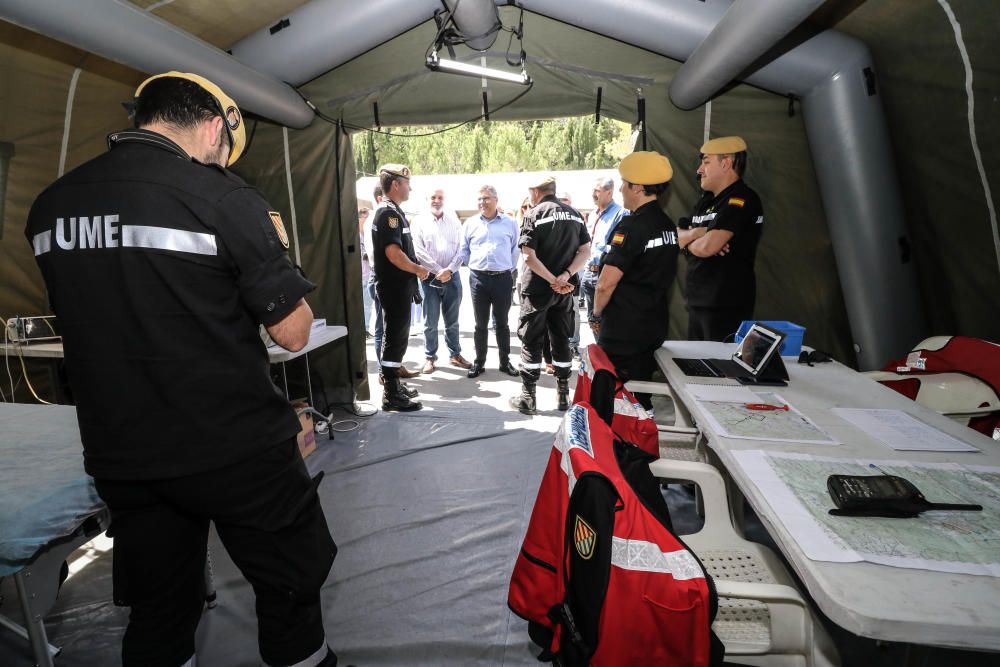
(646,168)
(227,109)
(396,170)
(545,182)
(724,146)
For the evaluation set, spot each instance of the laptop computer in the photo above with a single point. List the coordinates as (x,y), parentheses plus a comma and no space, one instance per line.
(749,363)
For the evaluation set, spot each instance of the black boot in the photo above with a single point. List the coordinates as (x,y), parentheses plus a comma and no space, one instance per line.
(562,387)
(525,401)
(408,391)
(393,399)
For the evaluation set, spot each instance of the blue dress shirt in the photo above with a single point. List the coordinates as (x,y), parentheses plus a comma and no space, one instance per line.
(490,245)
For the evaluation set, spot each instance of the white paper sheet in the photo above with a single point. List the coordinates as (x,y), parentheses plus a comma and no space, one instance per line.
(901,430)
(708,392)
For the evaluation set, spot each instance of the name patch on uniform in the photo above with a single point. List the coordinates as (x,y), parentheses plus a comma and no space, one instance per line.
(279,227)
(618,238)
(736,201)
(584,538)
(393,222)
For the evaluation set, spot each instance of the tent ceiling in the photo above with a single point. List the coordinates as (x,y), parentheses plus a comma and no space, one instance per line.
(221,23)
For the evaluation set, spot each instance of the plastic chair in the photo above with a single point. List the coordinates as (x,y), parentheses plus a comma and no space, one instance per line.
(762,619)
(681,440)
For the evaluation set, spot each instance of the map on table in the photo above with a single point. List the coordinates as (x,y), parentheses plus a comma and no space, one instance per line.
(948,541)
(736,420)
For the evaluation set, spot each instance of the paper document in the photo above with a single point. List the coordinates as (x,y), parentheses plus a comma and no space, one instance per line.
(794,486)
(901,430)
(736,420)
(726,394)
(319,323)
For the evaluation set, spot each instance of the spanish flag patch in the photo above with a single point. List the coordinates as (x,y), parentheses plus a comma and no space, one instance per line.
(618,238)
(736,201)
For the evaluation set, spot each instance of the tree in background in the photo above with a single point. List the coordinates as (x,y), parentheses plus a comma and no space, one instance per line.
(496,146)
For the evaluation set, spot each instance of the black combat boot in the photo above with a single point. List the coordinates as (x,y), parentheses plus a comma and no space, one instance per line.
(562,387)
(394,400)
(407,390)
(525,401)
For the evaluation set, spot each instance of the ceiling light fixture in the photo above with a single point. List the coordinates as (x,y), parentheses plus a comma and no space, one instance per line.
(438,64)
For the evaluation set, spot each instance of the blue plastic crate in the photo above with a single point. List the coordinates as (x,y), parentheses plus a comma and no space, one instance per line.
(790,346)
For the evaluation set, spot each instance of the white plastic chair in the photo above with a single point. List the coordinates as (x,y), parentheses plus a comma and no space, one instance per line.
(762,619)
(681,440)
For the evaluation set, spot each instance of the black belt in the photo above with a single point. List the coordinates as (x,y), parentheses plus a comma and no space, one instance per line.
(490,273)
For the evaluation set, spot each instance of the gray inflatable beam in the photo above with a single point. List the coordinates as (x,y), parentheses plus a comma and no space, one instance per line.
(126,34)
(745,32)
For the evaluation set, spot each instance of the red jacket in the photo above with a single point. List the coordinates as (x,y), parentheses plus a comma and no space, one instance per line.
(601,578)
(600,386)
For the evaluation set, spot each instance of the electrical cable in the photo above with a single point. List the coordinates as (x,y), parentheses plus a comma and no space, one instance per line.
(24,368)
(360,128)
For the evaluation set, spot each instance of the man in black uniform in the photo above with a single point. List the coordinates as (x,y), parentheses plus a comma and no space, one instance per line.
(396,273)
(161,265)
(555,245)
(632,298)
(720,241)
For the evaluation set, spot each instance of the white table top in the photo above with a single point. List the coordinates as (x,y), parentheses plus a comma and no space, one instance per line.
(317,338)
(871,600)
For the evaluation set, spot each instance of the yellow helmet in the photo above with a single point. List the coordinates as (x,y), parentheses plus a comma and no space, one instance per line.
(230,112)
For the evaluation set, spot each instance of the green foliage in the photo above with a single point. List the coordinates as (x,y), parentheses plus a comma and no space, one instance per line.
(490,147)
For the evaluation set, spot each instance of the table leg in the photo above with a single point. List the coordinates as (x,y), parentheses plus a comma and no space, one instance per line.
(284,376)
(34,620)
(309,382)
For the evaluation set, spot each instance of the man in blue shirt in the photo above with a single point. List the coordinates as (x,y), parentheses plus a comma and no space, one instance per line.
(600,223)
(489,247)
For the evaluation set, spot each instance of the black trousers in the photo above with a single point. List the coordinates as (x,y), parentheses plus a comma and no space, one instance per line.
(267,514)
(718,324)
(636,366)
(396,302)
(491,291)
(540,314)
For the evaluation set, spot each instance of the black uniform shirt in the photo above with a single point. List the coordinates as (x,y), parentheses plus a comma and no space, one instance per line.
(555,232)
(160,269)
(390,227)
(728,280)
(644,247)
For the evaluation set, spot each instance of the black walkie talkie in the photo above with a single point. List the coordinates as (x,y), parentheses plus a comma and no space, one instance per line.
(883,496)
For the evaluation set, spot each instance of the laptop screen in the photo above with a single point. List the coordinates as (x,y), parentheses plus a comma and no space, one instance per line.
(757,347)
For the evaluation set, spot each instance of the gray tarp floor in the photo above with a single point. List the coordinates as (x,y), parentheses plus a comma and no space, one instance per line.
(428,510)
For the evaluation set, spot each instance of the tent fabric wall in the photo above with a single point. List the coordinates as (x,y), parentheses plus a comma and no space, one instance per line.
(923,89)
(37,76)
(322,166)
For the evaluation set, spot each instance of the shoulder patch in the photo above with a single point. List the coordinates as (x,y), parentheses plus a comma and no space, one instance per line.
(736,201)
(393,222)
(618,238)
(584,538)
(279,227)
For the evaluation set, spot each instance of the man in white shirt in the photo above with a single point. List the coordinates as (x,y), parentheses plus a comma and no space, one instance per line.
(437,240)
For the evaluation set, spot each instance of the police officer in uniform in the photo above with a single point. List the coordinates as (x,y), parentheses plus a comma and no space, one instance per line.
(632,297)
(720,241)
(160,265)
(396,273)
(555,245)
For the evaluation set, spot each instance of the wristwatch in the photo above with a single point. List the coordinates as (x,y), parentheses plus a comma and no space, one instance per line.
(595,318)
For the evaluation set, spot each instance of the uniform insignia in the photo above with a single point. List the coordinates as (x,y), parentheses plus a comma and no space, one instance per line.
(618,238)
(736,201)
(279,227)
(393,222)
(584,538)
